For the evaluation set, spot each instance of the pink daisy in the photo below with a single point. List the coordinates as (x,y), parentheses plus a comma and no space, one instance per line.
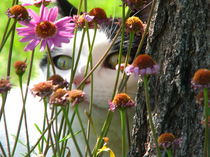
(45,30)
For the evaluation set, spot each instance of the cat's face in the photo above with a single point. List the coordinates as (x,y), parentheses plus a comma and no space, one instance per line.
(104,76)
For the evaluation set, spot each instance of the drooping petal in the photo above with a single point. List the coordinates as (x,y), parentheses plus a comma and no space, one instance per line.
(27,38)
(61,22)
(32,45)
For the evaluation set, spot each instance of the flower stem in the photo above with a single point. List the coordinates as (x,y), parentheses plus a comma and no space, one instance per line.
(50,59)
(169,152)
(83,130)
(71,132)
(206,142)
(123,132)
(150,114)
(24,102)
(11,48)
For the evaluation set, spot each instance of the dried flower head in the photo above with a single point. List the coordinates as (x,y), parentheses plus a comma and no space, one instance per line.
(99,15)
(19,13)
(59,97)
(58,81)
(121,101)
(168,140)
(20,67)
(201,79)
(5,85)
(134,24)
(37,3)
(42,89)
(142,65)
(45,30)
(76,96)
(80,20)
(135,4)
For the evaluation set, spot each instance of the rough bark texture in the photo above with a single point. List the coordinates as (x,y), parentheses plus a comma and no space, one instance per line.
(178,42)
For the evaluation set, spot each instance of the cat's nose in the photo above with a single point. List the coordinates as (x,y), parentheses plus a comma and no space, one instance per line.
(78,78)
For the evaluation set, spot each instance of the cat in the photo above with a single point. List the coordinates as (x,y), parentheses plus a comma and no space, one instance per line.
(104,80)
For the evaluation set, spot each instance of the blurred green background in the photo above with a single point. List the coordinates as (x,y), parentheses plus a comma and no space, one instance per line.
(111,7)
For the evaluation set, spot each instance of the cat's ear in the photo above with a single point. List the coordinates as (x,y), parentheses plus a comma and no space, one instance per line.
(143,12)
(66,8)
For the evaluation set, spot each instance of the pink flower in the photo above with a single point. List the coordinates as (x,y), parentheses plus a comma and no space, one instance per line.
(45,30)
(35,2)
(142,65)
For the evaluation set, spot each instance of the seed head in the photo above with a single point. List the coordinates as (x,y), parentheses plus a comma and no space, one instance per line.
(134,24)
(201,78)
(80,20)
(58,82)
(121,101)
(5,85)
(168,140)
(59,97)
(76,96)
(19,13)
(99,15)
(142,65)
(20,67)
(42,89)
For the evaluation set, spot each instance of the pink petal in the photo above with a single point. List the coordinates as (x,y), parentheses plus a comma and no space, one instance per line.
(53,13)
(43,45)
(45,14)
(50,44)
(32,45)
(27,38)
(33,15)
(62,21)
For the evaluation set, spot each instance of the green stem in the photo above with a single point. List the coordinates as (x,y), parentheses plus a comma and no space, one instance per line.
(149,112)
(42,135)
(25,98)
(6,34)
(2,150)
(206,142)
(50,59)
(123,132)
(83,130)
(169,152)
(10,49)
(6,133)
(71,132)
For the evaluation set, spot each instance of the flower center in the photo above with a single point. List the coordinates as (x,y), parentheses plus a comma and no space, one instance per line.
(18,11)
(45,29)
(121,99)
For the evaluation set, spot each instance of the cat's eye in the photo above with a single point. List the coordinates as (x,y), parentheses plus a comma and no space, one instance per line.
(112,60)
(62,62)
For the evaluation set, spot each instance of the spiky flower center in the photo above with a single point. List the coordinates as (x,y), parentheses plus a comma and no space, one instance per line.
(19,12)
(121,99)
(45,29)
(98,13)
(134,24)
(76,94)
(166,137)
(143,61)
(20,67)
(202,76)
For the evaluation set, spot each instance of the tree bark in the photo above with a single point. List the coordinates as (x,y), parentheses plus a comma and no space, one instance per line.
(178,41)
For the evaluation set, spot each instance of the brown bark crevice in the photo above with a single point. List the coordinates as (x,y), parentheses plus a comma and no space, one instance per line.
(178,42)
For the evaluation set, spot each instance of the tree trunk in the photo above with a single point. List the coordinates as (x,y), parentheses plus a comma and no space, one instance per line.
(178,42)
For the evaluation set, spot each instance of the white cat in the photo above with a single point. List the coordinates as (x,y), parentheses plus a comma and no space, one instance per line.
(103,85)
